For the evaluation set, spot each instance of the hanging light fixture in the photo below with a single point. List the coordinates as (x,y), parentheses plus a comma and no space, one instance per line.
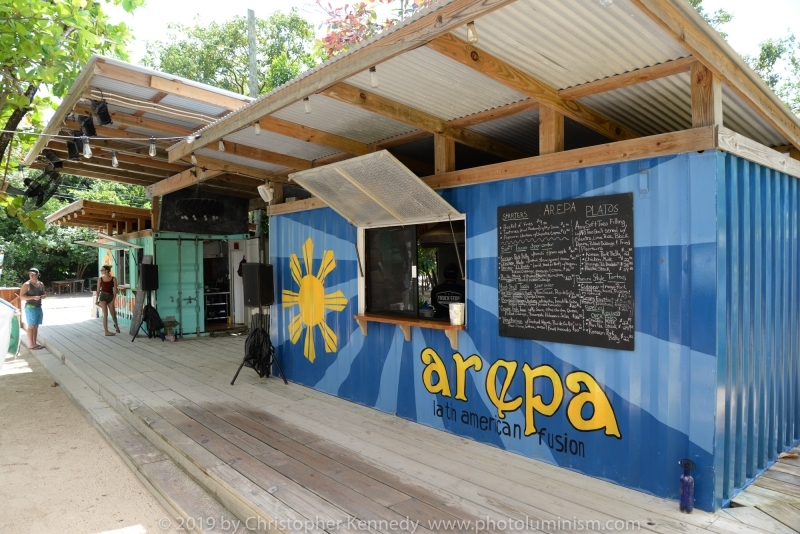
(83,212)
(193,159)
(114,160)
(152,150)
(373,77)
(472,33)
(307,105)
(256,128)
(87,150)
(221,146)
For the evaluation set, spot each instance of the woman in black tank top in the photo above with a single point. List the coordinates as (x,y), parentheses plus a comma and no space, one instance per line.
(106,291)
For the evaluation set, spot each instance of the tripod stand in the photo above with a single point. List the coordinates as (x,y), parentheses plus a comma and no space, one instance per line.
(259,354)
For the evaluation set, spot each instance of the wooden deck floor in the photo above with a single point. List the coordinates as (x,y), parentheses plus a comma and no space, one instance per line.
(273,451)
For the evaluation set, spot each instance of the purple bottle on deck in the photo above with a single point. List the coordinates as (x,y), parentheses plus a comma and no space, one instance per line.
(687,486)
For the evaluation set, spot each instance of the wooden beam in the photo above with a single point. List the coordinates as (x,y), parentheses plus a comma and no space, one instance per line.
(191,92)
(101,160)
(444,154)
(551,131)
(706,97)
(634,77)
(299,205)
(118,134)
(683,22)
(103,174)
(179,181)
(750,150)
(402,139)
(510,76)
(163,128)
(266,156)
(107,70)
(446,15)
(127,148)
(155,212)
(418,119)
(644,147)
(311,135)
(227,166)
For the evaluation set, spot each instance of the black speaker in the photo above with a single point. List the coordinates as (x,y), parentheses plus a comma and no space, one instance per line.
(258,287)
(148,275)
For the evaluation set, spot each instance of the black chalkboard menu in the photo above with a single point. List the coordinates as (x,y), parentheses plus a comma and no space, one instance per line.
(566,271)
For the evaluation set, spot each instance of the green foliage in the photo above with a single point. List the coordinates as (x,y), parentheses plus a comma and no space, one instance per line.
(218,54)
(716,19)
(45,45)
(778,64)
(52,251)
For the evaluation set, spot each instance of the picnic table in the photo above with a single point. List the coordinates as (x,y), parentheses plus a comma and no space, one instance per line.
(71,285)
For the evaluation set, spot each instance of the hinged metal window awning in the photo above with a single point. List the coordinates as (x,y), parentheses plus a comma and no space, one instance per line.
(375,190)
(100,245)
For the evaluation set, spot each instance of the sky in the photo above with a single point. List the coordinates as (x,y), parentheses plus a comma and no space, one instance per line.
(753,21)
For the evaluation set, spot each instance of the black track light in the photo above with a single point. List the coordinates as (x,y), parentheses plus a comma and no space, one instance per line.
(87,125)
(74,152)
(100,110)
(53,158)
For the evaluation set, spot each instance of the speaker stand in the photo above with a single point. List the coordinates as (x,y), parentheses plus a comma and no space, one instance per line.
(254,357)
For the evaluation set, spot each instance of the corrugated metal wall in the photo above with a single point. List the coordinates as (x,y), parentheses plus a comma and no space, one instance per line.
(663,394)
(758,307)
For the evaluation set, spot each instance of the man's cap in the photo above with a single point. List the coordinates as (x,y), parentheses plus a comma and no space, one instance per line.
(33,270)
(451,271)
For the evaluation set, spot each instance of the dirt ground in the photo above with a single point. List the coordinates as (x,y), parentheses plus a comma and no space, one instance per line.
(58,473)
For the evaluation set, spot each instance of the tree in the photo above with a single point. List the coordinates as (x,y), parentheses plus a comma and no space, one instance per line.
(45,44)
(351,24)
(716,19)
(778,64)
(218,54)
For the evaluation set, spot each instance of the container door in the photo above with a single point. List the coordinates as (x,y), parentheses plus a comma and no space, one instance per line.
(180,277)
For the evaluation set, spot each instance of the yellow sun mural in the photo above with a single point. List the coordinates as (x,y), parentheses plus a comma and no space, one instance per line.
(312,300)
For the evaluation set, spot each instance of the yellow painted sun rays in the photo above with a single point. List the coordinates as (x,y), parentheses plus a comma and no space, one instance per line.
(312,301)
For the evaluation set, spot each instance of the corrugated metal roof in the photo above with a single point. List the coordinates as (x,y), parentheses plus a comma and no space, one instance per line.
(150,72)
(335,117)
(123,88)
(172,120)
(281,144)
(211,153)
(570,42)
(650,108)
(191,105)
(428,81)
(741,118)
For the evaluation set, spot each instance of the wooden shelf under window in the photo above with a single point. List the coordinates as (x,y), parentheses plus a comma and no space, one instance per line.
(405,324)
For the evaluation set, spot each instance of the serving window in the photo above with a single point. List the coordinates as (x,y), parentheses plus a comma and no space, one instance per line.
(407,266)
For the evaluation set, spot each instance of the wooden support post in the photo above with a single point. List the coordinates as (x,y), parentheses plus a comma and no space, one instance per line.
(277,193)
(444,154)
(155,213)
(706,97)
(139,224)
(794,153)
(551,131)
(109,229)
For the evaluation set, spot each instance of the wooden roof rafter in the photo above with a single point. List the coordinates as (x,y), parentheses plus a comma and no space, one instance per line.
(686,26)
(474,58)
(635,77)
(419,119)
(396,41)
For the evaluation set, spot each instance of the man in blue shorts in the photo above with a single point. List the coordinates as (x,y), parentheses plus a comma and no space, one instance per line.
(31,294)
